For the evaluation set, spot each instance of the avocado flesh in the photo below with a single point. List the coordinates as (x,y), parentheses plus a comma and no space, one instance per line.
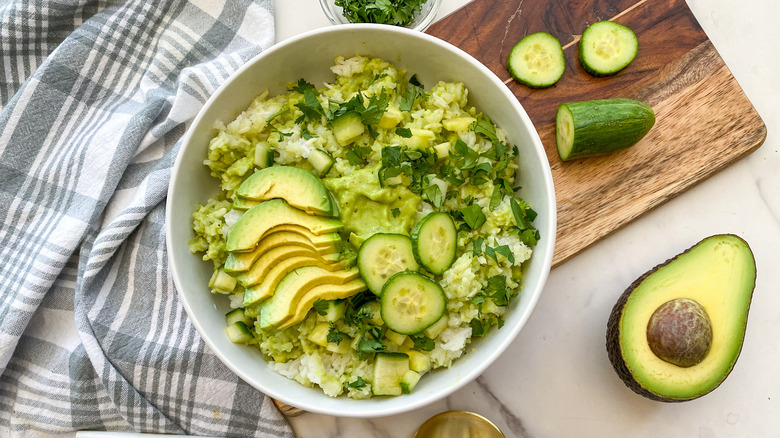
(299,187)
(719,274)
(322,245)
(271,216)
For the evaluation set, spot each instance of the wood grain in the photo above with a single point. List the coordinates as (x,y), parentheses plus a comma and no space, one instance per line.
(704,121)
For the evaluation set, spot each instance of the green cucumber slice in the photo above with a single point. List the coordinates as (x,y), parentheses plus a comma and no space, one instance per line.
(383,255)
(597,127)
(606,48)
(411,302)
(537,61)
(434,242)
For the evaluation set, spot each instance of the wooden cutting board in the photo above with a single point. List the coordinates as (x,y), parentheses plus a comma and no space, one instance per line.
(704,121)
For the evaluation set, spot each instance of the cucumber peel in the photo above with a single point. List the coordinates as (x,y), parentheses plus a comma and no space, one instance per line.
(598,127)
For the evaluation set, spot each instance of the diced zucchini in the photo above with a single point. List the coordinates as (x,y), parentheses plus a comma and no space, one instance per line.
(239,333)
(389,371)
(321,161)
(409,381)
(420,139)
(222,282)
(411,302)
(439,326)
(264,155)
(458,124)
(606,48)
(237,315)
(319,334)
(372,308)
(419,362)
(434,242)
(391,117)
(395,338)
(347,128)
(342,347)
(443,150)
(334,312)
(383,255)
(537,61)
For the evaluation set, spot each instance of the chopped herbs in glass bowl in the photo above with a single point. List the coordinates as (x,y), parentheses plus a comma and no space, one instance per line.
(412,14)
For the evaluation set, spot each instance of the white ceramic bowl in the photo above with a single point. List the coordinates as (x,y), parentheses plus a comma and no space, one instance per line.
(309,56)
(421,22)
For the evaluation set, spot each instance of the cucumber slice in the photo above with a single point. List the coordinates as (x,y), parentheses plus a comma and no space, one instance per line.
(239,333)
(537,61)
(411,302)
(389,372)
(321,161)
(598,127)
(383,255)
(606,48)
(434,241)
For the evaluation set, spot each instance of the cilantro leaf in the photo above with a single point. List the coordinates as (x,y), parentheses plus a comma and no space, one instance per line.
(395,212)
(310,107)
(473,216)
(404,132)
(335,336)
(359,383)
(423,343)
(400,13)
(321,306)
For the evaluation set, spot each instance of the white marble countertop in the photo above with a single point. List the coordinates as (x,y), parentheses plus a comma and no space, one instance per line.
(555,380)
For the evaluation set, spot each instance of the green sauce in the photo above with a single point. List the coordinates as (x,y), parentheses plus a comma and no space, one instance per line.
(367,208)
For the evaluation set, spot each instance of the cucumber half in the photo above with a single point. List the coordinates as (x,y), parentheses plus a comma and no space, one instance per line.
(383,255)
(606,48)
(537,61)
(411,302)
(597,127)
(434,241)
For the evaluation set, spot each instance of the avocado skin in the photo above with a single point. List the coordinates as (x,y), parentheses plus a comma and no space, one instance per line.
(613,335)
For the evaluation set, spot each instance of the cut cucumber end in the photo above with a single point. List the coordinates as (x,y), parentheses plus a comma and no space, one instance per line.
(606,48)
(537,61)
(564,132)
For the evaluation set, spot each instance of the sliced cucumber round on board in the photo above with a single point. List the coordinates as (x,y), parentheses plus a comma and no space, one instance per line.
(598,127)
(606,48)
(537,61)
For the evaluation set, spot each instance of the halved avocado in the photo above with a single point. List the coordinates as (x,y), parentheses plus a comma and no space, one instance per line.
(267,217)
(299,187)
(322,245)
(293,287)
(675,334)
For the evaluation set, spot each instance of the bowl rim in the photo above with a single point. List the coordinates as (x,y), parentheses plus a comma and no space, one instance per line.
(547,244)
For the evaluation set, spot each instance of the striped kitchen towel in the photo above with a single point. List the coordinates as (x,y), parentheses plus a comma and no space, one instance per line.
(94,98)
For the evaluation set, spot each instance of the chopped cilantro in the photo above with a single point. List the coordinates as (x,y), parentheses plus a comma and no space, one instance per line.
(404,132)
(395,212)
(478,245)
(358,155)
(411,94)
(395,12)
(321,306)
(423,343)
(335,336)
(310,107)
(359,383)
(473,216)
(503,250)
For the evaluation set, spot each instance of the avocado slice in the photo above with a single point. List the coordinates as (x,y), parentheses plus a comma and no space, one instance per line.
(675,334)
(276,256)
(299,187)
(282,305)
(323,244)
(326,292)
(271,216)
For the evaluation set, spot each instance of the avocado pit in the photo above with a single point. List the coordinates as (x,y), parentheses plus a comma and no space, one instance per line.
(680,332)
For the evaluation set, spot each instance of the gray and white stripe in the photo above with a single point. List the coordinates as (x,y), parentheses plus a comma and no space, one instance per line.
(94,97)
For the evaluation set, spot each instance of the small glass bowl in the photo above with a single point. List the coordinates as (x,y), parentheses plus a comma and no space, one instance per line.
(421,22)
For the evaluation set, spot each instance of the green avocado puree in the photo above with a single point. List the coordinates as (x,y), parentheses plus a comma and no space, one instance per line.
(367,208)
